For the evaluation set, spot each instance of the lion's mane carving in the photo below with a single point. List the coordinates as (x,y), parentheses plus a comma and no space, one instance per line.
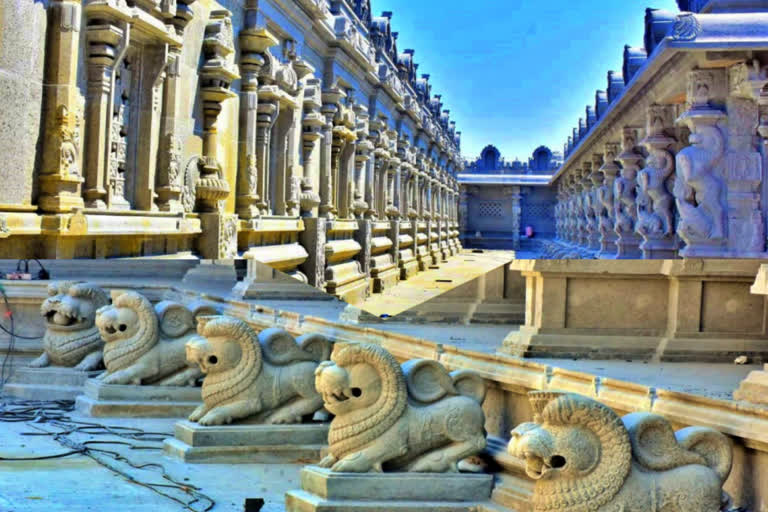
(417,417)
(71,337)
(585,458)
(146,344)
(268,377)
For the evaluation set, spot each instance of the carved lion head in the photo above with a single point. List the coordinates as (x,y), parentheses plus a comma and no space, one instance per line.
(71,306)
(223,344)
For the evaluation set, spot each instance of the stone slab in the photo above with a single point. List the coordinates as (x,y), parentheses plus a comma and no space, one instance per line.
(110,400)
(754,388)
(386,280)
(248,443)
(324,490)
(51,383)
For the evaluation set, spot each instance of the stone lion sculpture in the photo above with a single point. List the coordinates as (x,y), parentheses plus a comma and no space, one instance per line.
(414,418)
(71,338)
(146,344)
(584,457)
(267,377)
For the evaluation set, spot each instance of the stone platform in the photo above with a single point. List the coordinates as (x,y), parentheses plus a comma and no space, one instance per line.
(248,443)
(325,491)
(754,388)
(110,400)
(52,383)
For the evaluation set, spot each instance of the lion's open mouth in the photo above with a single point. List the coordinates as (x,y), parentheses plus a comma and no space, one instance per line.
(60,319)
(335,396)
(536,466)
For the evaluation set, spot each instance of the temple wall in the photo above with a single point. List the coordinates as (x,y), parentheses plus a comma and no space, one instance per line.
(23,29)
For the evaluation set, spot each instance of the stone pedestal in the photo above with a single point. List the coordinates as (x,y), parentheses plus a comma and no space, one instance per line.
(109,400)
(754,388)
(681,310)
(248,443)
(325,491)
(52,383)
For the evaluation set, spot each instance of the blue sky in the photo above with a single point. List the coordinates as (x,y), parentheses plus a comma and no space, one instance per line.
(517,73)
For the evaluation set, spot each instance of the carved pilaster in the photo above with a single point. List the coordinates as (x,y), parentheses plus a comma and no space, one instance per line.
(312,133)
(624,197)
(107,45)
(60,174)
(605,199)
(330,100)
(699,188)
(655,216)
(254,41)
(169,179)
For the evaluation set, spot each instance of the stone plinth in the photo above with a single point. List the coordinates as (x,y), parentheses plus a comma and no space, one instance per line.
(692,310)
(51,383)
(248,443)
(755,387)
(324,491)
(109,400)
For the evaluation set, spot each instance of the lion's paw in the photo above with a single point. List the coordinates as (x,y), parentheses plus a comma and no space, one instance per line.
(355,463)
(215,418)
(327,462)
(197,413)
(435,463)
(285,420)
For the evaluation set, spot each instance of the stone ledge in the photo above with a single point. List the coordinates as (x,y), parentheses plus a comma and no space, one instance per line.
(51,383)
(324,490)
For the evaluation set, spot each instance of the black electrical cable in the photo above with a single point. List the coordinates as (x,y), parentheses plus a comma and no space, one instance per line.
(55,414)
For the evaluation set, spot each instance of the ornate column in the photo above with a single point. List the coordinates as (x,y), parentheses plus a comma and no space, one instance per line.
(169,177)
(606,219)
(590,222)
(61,171)
(655,217)
(311,134)
(331,98)
(295,171)
(582,178)
(106,45)
(624,197)
(254,41)
(363,154)
(744,173)
(596,179)
(216,77)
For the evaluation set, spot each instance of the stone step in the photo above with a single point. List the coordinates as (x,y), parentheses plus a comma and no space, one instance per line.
(301,501)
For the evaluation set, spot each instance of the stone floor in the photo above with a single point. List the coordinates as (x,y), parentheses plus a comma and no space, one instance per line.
(426,285)
(77,483)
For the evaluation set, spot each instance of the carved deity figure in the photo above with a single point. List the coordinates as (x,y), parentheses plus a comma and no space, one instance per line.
(71,337)
(267,377)
(414,418)
(584,457)
(145,344)
(654,202)
(698,188)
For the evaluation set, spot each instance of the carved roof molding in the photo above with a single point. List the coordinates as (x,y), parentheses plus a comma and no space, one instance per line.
(150,21)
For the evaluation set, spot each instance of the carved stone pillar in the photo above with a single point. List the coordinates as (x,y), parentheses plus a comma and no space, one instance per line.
(699,188)
(106,45)
(265,121)
(594,184)
(312,133)
(61,172)
(330,99)
(589,225)
(655,217)
(216,76)
(624,197)
(169,177)
(744,171)
(254,41)
(606,219)
(363,154)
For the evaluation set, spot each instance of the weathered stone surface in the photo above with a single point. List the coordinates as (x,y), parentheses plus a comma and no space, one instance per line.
(583,456)
(380,409)
(248,443)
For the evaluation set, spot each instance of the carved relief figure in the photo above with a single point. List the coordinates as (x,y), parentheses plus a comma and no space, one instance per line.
(71,337)
(145,344)
(416,418)
(697,189)
(625,186)
(269,376)
(654,202)
(584,457)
